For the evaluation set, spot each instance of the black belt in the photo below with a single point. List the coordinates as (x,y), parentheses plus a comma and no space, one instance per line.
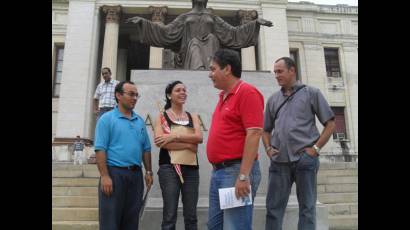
(133,168)
(227,163)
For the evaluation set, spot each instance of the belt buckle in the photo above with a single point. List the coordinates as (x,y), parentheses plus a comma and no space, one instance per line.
(130,167)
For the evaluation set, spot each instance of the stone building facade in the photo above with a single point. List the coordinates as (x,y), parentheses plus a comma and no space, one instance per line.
(90,34)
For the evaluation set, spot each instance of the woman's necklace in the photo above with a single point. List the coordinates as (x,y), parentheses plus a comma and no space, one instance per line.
(180,117)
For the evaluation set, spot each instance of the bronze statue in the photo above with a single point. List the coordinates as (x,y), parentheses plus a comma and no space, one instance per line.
(195,36)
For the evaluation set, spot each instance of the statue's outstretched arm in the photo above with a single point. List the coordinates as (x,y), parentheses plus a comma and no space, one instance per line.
(158,34)
(135,20)
(264,22)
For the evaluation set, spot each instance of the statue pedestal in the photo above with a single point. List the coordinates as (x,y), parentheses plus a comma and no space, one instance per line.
(202,98)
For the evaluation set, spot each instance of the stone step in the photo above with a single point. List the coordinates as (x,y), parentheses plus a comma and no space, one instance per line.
(91,170)
(343,222)
(342,208)
(323,179)
(75,225)
(75,171)
(63,217)
(342,180)
(75,201)
(339,172)
(75,214)
(75,191)
(333,198)
(339,165)
(75,182)
(323,165)
(352,188)
(70,170)
(337,188)
(153,216)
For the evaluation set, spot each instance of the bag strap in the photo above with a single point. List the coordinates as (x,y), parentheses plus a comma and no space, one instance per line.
(286,100)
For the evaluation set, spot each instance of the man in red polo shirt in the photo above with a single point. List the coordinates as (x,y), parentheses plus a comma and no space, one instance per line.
(233,141)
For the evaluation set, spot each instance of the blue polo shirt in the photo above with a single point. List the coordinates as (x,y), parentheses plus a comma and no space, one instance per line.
(123,140)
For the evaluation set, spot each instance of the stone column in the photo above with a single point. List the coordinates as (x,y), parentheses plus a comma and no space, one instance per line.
(110,50)
(79,71)
(248,54)
(122,64)
(315,66)
(274,41)
(351,73)
(155,53)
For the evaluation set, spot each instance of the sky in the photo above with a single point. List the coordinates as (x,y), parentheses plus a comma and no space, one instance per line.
(331,2)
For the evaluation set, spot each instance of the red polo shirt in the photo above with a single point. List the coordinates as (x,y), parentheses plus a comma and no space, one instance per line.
(241,109)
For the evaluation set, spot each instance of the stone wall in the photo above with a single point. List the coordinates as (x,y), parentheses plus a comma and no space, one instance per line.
(312,28)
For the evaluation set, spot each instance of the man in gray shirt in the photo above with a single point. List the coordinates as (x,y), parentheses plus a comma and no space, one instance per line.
(294,145)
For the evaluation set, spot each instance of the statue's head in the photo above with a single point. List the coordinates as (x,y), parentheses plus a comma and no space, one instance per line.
(199,1)
(246,16)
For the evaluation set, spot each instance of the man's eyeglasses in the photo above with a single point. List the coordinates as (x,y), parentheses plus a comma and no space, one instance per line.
(133,94)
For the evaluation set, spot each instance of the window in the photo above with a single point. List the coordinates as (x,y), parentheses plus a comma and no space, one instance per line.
(332,62)
(294,55)
(340,131)
(58,71)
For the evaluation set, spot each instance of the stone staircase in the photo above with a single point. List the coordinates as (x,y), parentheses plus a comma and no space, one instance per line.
(75,198)
(338,189)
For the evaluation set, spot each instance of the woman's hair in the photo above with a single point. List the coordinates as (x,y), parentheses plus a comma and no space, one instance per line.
(168,91)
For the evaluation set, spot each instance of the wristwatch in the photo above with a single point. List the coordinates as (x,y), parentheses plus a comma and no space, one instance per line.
(268,149)
(243,177)
(317,149)
(149,173)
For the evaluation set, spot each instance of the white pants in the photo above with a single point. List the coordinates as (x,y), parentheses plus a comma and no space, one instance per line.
(79,157)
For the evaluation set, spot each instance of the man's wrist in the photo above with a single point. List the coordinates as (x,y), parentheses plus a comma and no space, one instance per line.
(316,148)
(268,148)
(243,177)
(149,172)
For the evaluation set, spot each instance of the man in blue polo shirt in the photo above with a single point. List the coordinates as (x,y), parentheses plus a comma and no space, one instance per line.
(121,143)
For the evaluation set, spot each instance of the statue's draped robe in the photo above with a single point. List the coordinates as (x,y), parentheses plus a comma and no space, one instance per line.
(195,37)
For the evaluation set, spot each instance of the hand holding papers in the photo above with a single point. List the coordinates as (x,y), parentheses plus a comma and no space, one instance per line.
(227,198)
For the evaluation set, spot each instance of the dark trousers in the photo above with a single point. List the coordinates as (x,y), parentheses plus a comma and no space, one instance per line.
(281,177)
(120,211)
(103,110)
(171,187)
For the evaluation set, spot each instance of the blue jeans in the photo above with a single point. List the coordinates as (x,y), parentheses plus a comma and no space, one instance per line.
(281,177)
(103,110)
(171,187)
(120,211)
(239,218)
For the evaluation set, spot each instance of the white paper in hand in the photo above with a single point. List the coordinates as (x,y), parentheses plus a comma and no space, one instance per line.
(227,198)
